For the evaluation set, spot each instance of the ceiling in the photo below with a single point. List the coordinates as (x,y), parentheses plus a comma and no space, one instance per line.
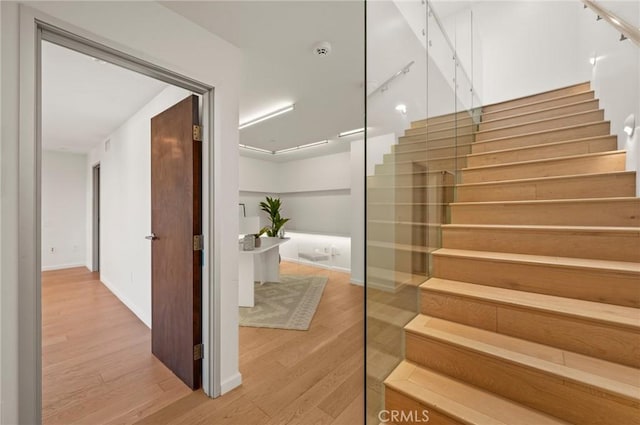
(280,67)
(84,101)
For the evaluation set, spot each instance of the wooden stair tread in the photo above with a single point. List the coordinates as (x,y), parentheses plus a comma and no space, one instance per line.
(539,121)
(555,201)
(511,111)
(582,263)
(401,247)
(535,228)
(535,179)
(428,149)
(534,133)
(598,374)
(530,147)
(390,314)
(586,310)
(407,223)
(539,161)
(552,108)
(463,402)
(400,277)
(537,94)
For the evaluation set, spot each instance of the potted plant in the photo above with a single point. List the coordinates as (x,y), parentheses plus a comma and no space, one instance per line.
(272,207)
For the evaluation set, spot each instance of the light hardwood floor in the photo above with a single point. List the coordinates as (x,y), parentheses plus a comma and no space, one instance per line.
(289,377)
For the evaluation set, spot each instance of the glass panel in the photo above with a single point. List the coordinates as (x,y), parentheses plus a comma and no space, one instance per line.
(419,123)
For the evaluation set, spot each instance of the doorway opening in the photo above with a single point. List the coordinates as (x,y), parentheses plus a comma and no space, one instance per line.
(110,320)
(95,217)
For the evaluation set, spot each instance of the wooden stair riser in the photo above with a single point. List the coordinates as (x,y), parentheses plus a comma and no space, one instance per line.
(415,213)
(547,151)
(459,151)
(579,213)
(416,179)
(602,340)
(400,260)
(580,243)
(445,125)
(538,106)
(596,163)
(585,186)
(575,108)
(553,94)
(589,284)
(440,134)
(412,143)
(548,136)
(410,234)
(444,118)
(438,164)
(538,389)
(543,125)
(417,195)
(396,401)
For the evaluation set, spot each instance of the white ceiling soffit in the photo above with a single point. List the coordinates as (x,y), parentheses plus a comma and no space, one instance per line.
(85,100)
(280,68)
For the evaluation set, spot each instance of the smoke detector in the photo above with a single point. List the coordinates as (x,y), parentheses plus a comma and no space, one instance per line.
(322,49)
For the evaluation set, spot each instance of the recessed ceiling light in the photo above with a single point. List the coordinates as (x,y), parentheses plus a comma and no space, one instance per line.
(266,116)
(253,148)
(351,132)
(308,145)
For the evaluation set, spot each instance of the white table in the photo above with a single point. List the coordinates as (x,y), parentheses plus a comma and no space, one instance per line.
(260,265)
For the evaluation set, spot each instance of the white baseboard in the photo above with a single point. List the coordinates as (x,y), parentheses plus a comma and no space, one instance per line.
(130,305)
(62,266)
(314,264)
(357,282)
(230,383)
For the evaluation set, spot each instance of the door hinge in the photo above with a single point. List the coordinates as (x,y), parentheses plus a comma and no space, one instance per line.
(197,133)
(198,351)
(198,244)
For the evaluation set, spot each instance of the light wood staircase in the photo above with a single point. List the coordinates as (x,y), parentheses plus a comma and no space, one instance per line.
(531,314)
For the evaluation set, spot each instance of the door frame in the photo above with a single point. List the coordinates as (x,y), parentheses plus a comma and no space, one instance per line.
(34,28)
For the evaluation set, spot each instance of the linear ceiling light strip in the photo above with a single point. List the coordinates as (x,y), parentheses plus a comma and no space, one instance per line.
(266,117)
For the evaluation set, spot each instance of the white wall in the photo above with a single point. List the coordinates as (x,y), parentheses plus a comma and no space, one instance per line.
(163,38)
(528,47)
(64,214)
(125,203)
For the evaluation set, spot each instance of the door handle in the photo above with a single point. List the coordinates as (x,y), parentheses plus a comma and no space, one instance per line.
(151,237)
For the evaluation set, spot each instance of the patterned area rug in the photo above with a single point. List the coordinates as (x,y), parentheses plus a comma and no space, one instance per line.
(289,304)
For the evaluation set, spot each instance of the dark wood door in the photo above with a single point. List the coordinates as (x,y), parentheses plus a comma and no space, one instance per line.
(176,164)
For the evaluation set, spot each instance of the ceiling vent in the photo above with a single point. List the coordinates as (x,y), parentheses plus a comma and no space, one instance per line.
(322,49)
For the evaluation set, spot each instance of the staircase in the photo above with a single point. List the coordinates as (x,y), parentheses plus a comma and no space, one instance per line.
(531,314)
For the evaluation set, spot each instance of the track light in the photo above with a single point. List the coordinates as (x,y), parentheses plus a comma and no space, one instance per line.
(266,116)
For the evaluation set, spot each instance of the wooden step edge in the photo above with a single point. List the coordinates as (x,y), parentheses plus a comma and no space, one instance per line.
(613,315)
(524,148)
(401,247)
(503,347)
(542,260)
(540,93)
(537,133)
(553,108)
(460,401)
(540,121)
(404,223)
(394,188)
(397,276)
(428,149)
(412,173)
(545,160)
(551,228)
(552,201)
(539,103)
(465,114)
(409,204)
(431,140)
(550,178)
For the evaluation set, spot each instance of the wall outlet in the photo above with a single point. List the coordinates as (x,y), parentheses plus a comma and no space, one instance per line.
(52,250)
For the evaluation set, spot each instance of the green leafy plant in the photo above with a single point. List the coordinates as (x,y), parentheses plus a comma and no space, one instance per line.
(272,207)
